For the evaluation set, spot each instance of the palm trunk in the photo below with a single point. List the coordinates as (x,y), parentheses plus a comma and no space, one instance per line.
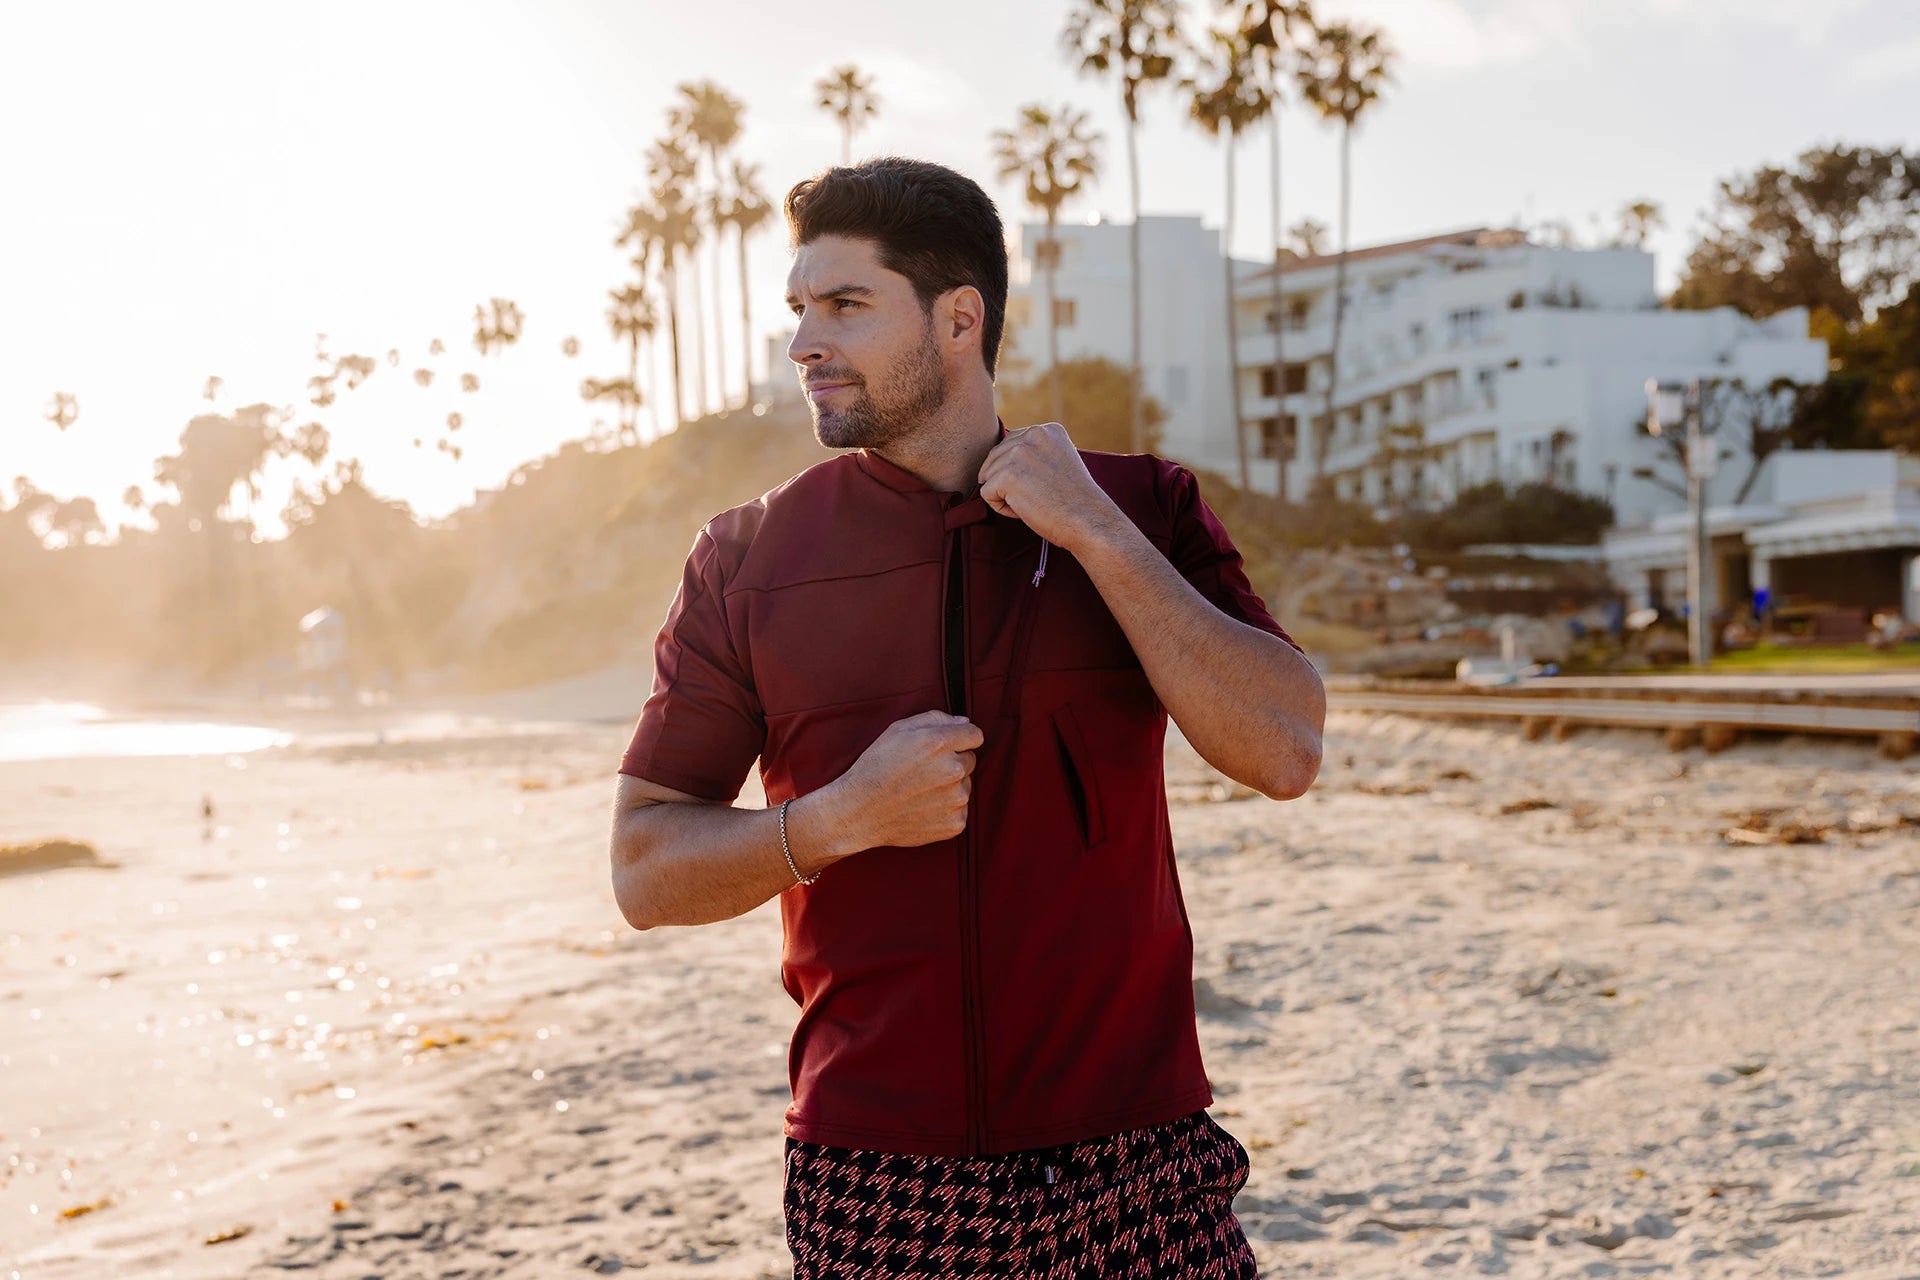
(1139,419)
(1053,318)
(1233,324)
(673,339)
(630,413)
(846,141)
(719,329)
(1339,298)
(746,325)
(1285,445)
(719,310)
(699,338)
(653,383)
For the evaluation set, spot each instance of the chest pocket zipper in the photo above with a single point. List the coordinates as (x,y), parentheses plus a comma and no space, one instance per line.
(1080,772)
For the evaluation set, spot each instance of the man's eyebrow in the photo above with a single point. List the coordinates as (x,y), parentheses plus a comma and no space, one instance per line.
(838,291)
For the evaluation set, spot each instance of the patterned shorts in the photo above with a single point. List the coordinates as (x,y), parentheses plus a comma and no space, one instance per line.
(1147,1204)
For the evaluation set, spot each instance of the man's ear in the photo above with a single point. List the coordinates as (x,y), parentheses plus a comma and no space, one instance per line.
(963,312)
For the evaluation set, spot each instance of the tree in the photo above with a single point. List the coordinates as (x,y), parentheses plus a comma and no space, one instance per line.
(708,117)
(746,211)
(1135,41)
(1096,405)
(1228,97)
(1760,419)
(1051,156)
(631,318)
(63,410)
(77,521)
(849,97)
(668,225)
(1346,71)
(1309,238)
(1639,220)
(1888,357)
(1275,29)
(1839,231)
(219,455)
(496,323)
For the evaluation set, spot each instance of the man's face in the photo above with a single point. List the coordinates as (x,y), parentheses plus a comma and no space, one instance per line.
(864,348)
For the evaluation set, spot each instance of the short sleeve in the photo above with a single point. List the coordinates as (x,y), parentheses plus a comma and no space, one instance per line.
(1206,557)
(702,726)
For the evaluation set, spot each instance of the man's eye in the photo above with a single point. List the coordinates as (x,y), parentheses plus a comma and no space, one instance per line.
(845,302)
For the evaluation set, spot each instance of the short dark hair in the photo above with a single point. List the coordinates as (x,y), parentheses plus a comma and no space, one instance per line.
(932,225)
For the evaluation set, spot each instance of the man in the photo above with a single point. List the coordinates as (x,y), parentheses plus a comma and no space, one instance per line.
(953,652)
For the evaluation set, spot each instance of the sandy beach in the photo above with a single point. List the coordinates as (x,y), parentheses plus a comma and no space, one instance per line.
(1475,1006)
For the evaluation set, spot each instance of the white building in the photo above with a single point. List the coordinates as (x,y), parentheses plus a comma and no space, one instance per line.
(1474,356)
(1478,356)
(1183,319)
(1834,529)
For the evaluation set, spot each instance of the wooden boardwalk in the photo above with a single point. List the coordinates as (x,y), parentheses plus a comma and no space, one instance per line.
(1709,710)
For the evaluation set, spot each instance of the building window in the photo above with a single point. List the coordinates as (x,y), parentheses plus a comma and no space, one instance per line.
(1467,325)
(1267,381)
(1063,312)
(1276,439)
(1485,381)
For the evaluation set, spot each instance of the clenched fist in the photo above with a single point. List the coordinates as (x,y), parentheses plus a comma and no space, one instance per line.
(911,786)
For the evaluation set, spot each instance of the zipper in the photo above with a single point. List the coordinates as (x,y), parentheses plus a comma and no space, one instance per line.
(959,675)
(957,665)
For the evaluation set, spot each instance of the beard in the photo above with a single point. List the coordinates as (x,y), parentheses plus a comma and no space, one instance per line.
(912,389)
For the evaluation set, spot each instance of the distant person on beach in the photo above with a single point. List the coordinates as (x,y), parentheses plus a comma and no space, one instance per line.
(953,651)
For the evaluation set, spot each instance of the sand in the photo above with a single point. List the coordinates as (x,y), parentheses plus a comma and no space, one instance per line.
(1476,1007)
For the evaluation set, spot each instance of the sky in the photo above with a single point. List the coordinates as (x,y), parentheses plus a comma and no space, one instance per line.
(199,189)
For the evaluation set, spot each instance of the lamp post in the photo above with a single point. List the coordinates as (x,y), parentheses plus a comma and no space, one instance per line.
(1670,405)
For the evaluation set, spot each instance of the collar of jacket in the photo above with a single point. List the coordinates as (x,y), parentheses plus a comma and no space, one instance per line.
(962,508)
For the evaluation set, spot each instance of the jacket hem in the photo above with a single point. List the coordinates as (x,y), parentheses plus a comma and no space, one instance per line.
(1002,1141)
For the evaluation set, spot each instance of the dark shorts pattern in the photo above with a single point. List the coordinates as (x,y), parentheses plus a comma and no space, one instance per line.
(1147,1204)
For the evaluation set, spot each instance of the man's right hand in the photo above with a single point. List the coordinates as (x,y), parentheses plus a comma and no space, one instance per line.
(911,786)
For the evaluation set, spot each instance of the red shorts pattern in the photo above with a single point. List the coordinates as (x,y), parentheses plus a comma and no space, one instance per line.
(1147,1204)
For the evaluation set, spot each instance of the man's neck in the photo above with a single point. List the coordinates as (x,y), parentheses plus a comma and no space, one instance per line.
(949,449)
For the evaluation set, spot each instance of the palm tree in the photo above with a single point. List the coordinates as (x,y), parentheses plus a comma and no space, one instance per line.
(496,323)
(1638,221)
(708,117)
(63,410)
(1275,29)
(1345,71)
(747,209)
(1134,40)
(847,95)
(1309,237)
(1053,157)
(670,225)
(631,317)
(1227,97)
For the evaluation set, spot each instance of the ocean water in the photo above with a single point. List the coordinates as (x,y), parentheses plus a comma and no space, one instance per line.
(80,730)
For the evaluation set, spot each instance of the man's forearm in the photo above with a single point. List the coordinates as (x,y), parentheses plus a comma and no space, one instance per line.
(1249,702)
(678,863)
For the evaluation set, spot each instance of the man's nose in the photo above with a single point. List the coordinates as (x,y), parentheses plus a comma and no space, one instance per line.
(806,347)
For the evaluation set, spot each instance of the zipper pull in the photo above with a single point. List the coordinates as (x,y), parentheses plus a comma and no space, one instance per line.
(1041,572)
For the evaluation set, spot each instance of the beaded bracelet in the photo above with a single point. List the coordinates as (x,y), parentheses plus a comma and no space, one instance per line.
(791,866)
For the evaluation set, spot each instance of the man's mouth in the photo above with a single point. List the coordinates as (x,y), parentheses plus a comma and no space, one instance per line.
(817,389)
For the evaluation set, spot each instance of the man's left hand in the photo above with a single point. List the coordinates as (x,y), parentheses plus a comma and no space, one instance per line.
(1037,476)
